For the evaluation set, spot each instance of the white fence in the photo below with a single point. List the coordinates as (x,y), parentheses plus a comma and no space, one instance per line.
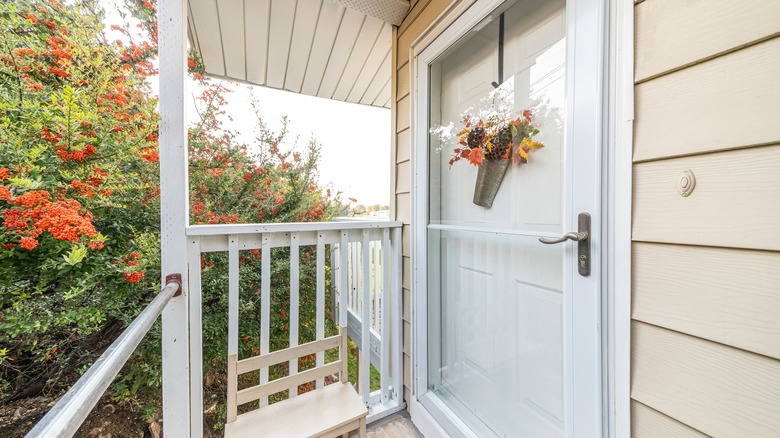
(366,268)
(367,277)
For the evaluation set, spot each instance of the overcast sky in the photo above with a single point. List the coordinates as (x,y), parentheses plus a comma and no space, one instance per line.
(355,139)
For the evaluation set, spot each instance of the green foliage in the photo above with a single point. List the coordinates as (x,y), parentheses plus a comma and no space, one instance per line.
(79,200)
(75,121)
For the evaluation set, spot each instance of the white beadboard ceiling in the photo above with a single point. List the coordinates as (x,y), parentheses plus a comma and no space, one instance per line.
(336,49)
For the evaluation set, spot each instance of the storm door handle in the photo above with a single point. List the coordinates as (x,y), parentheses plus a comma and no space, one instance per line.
(582,236)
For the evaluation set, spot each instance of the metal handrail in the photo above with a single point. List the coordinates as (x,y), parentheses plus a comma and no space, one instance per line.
(65,418)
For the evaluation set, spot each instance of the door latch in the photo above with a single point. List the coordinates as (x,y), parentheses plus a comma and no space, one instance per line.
(582,237)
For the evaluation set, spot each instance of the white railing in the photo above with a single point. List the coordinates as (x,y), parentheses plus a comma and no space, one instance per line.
(365,286)
(366,269)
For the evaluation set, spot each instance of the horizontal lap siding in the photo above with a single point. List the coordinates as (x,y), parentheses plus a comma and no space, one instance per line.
(420,17)
(725,295)
(706,268)
(736,201)
(716,389)
(649,423)
(732,101)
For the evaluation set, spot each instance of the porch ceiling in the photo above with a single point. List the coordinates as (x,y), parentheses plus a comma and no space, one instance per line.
(336,49)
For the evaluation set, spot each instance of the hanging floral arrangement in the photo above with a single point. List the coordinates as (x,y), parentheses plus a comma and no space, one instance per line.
(496,138)
(491,139)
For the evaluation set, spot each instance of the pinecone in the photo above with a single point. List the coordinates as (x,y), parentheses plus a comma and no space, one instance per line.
(500,142)
(476,137)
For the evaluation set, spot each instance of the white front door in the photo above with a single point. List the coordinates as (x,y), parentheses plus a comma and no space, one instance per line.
(507,328)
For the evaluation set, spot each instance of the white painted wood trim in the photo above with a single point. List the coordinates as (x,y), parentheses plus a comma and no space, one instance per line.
(343,352)
(196,337)
(397,316)
(619,215)
(424,421)
(178,407)
(365,317)
(216,243)
(377,288)
(437,28)
(294,305)
(344,279)
(385,318)
(233,282)
(320,318)
(232,388)
(223,229)
(265,309)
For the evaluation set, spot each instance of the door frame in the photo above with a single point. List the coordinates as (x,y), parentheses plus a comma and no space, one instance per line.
(614,264)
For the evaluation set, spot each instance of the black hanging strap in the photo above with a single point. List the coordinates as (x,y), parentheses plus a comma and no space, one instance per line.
(500,52)
(501,49)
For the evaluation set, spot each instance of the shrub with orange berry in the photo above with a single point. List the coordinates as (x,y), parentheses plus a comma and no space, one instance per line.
(79,195)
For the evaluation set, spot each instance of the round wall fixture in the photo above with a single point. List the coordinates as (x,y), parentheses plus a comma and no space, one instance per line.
(686,183)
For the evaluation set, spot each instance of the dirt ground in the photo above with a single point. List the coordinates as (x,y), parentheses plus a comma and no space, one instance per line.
(107,420)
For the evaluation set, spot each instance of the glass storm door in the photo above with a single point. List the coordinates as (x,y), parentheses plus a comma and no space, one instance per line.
(512,330)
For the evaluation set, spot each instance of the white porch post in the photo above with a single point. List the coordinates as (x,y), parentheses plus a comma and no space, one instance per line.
(174,203)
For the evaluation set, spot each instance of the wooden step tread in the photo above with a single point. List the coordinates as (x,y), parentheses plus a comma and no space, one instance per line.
(308,415)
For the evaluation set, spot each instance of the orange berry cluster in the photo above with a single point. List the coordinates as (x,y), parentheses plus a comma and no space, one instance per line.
(36,214)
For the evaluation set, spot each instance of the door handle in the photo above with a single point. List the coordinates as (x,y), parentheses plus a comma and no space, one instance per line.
(568,236)
(582,237)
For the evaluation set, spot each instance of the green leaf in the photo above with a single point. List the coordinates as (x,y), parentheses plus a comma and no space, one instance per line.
(25,183)
(76,255)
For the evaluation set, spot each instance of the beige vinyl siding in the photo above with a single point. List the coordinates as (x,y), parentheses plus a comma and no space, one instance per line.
(649,423)
(686,289)
(420,17)
(716,389)
(732,101)
(666,23)
(706,268)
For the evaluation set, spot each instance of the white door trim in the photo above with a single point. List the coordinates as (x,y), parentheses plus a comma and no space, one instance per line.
(618,193)
(616,222)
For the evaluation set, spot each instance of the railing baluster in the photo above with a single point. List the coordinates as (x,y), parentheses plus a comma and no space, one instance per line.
(265,308)
(356,307)
(294,303)
(375,279)
(365,349)
(349,265)
(320,302)
(397,312)
(385,318)
(233,284)
(354,302)
(344,283)
(196,339)
(334,282)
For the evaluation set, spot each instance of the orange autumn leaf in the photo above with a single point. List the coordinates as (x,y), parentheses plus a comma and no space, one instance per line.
(476,156)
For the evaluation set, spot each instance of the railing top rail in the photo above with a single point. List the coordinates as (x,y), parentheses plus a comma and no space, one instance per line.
(65,418)
(224,229)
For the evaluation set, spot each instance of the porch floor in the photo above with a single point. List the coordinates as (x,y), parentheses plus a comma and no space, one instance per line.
(398,425)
